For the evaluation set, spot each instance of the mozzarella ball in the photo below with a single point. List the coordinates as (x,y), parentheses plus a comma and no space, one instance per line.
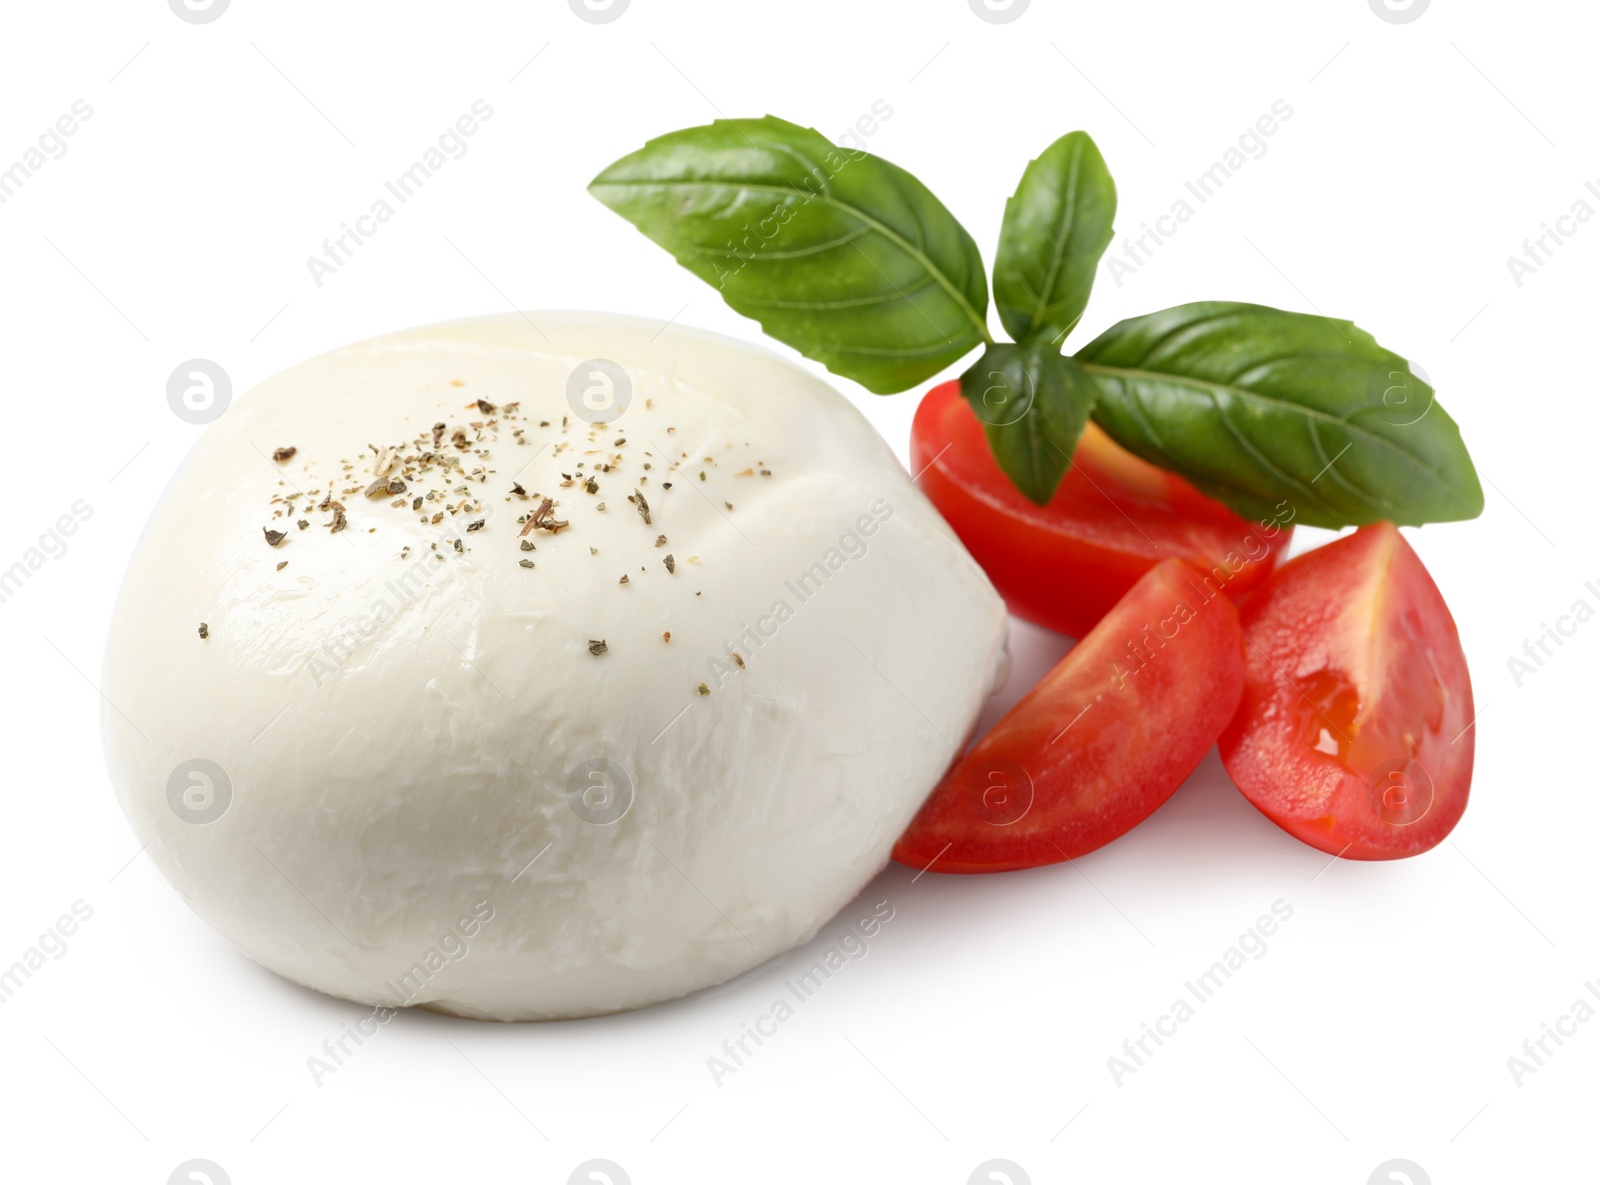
(535,666)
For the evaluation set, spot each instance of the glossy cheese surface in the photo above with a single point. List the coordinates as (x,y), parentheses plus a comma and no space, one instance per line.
(406,767)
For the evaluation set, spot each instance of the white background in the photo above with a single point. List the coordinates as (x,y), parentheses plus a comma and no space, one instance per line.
(1378,1025)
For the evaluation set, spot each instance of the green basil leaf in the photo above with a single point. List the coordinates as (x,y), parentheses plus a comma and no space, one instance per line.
(1258,407)
(844,256)
(1056,228)
(1034,404)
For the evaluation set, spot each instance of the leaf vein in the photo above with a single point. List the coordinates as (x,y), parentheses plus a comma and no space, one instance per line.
(855,212)
(1274,402)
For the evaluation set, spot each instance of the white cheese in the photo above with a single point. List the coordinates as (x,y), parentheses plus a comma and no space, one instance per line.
(400,717)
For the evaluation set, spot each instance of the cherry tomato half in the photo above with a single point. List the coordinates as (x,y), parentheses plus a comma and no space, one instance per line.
(1353,731)
(1112,519)
(1100,743)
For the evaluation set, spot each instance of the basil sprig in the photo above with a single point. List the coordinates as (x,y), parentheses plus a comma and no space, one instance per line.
(1255,405)
(1057,226)
(853,262)
(844,256)
(1034,404)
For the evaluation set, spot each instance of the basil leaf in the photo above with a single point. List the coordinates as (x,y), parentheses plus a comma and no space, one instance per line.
(844,256)
(1034,404)
(1257,407)
(1056,228)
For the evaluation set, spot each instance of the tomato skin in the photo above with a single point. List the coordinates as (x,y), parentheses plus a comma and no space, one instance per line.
(1352,734)
(1102,740)
(1113,518)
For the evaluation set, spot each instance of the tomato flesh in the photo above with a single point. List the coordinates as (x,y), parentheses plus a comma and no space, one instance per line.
(1113,518)
(1102,740)
(1352,734)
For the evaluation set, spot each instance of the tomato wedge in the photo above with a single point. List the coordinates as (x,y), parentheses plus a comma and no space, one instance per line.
(1353,731)
(1113,518)
(1100,742)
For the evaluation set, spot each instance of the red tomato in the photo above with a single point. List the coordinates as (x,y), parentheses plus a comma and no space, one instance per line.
(1352,734)
(1100,743)
(1112,519)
